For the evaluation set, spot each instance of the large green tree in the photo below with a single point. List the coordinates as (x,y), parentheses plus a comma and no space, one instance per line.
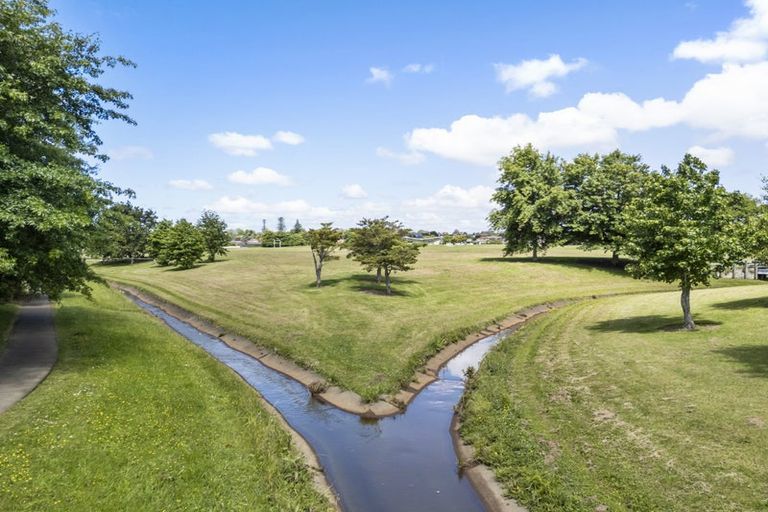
(400,256)
(50,103)
(682,228)
(323,242)
(122,232)
(604,185)
(534,205)
(214,231)
(369,239)
(185,245)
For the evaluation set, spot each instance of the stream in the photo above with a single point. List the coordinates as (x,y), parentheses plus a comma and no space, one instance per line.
(405,462)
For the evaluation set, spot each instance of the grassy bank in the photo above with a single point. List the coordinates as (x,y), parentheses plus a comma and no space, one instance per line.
(348,330)
(605,403)
(133,417)
(7,315)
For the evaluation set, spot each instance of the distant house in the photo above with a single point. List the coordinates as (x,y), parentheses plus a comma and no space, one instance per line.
(419,239)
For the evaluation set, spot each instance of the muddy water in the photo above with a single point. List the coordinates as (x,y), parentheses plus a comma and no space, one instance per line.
(401,463)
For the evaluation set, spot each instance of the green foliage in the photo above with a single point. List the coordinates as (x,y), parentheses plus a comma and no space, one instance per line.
(158,241)
(604,186)
(370,239)
(286,239)
(281,225)
(455,238)
(400,256)
(682,228)
(185,245)
(323,242)
(214,231)
(297,227)
(50,102)
(122,232)
(534,205)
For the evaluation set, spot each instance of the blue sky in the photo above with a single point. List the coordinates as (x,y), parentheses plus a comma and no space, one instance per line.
(337,110)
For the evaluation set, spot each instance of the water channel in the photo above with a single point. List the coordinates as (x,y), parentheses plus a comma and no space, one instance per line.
(400,463)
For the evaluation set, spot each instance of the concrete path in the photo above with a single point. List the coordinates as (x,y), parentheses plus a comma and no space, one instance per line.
(30,353)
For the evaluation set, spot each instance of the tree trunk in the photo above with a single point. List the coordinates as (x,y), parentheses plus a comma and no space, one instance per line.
(378,274)
(615,259)
(685,302)
(387,281)
(535,252)
(318,269)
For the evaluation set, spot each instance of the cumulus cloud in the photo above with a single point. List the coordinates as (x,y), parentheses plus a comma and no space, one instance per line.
(713,157)
(239,144)
(190,184)
(243,205)
(380,75)
(409,158)
(419,68)
(290,138)
(130,153)
(354,191)
(745,41)
(536,74)
(260,176)
(452,196)
(730,103)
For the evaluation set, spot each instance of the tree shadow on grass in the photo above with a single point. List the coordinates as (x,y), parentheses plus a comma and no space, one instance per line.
(647,323)
(753,357)
(366,283)
(757,302)
(590,262)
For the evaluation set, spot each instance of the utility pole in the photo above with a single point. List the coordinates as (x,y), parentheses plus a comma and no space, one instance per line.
(263,225)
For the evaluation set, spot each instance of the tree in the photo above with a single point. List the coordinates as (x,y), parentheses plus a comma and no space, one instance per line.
(369,239)
(604,186)
(400,256)
(122,232)
(533,203)
(298,228)
(50,103)
(323,242)
(281,224)
(184,245)
(159,241)
(214,231)
(681,228)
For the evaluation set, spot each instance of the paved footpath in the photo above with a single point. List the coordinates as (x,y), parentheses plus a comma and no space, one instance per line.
(30,353)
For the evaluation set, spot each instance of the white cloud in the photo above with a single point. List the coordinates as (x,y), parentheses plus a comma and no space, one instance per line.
(730,103)
(260,176)
(745,41)
(130,153)
(419,68)
(190,184)
(290,138)
(242,205)
(238,144)
(713,157)
(409,158)
(380,75)
(536,75)
(354,191)
(452,196)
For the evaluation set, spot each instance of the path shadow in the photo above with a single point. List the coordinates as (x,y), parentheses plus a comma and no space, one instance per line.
(646,323)
(756,302)
(753,357)
(596,262)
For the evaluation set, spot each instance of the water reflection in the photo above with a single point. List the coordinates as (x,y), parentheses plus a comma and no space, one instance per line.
(400,463)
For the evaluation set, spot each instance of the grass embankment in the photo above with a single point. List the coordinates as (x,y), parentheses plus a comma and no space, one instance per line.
(133,417)
(606,403)
(7,315)
(347,330)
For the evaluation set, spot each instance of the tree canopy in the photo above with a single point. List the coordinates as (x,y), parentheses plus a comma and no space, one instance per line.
(50,104)
(533,202)
(682,228)
(323,242)
(214,232)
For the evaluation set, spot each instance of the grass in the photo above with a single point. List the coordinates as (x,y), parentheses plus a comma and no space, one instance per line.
(348,330)
(7,315)
(133,417)
(608,403)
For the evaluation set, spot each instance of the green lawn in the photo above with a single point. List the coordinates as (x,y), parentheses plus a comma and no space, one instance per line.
(7,314)
(347,330)
(606,403)
(133,417)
